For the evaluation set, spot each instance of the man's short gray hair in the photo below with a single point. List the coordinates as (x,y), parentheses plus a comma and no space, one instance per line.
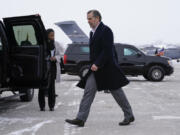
(96,14)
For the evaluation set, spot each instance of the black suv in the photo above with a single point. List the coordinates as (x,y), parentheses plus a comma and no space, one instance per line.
(132,61)
(23,53)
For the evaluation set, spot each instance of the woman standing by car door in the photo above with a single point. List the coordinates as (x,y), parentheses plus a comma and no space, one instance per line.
(54,48)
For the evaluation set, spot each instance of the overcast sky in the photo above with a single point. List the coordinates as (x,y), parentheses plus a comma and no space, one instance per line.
(132,21)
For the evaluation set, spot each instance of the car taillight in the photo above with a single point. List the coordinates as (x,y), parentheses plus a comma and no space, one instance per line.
(65,59)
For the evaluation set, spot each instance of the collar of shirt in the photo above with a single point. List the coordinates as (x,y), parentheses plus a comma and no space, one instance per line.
(94,30)
(52,52)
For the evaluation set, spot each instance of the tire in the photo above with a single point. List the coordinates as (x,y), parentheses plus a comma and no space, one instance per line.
(29,94)
(83,71)
(156,73)
(146,77)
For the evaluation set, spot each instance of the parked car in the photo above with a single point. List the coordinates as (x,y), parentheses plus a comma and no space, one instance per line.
(132,61)
(23,53)
(76,59)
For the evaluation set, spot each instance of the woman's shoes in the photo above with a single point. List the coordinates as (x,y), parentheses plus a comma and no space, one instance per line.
(42,109)
(51,109)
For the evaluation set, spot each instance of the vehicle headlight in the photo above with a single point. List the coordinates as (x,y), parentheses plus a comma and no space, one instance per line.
(170,62)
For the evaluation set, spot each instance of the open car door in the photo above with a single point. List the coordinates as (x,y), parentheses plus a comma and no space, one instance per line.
(3,55)
(27,51)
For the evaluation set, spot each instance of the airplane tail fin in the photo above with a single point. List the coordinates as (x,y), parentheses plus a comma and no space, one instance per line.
(73,31)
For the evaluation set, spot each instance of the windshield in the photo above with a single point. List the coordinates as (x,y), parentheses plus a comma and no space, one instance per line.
(141,50)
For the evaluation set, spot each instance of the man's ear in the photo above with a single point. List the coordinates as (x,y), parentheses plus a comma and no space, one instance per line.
(98,18)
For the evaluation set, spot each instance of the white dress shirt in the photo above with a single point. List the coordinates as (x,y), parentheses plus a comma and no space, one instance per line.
(52,53)
(94,30)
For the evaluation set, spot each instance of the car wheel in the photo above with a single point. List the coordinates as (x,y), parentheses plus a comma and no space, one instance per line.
(156,73)
(28,95)
(84,70)
(146,77)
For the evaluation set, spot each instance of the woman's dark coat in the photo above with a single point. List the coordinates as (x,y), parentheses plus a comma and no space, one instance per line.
(103,54)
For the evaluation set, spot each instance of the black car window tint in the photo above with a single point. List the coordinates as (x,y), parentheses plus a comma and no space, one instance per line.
(25,35)
(129,52)
(84,49)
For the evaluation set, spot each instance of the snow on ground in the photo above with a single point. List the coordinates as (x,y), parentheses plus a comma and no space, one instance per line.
(155,105)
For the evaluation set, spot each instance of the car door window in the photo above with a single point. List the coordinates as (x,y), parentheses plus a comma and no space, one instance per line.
(129,52)
(79,50)
(84,49)
(25,35)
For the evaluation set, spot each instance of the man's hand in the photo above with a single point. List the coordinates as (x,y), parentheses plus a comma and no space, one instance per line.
(53,59)
(94,67)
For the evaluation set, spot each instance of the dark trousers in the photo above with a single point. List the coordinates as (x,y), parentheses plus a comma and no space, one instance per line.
(48,91)
(51,95)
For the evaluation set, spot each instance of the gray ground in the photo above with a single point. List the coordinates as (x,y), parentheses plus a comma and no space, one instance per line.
(156,107)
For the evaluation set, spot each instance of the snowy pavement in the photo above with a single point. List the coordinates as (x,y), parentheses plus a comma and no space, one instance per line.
(156,106)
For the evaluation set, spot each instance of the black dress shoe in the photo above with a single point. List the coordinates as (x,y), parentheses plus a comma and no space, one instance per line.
(77,122)
(51,109)
(42,109)
(126,121)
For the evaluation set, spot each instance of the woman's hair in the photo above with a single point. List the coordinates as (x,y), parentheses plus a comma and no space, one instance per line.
(49,31)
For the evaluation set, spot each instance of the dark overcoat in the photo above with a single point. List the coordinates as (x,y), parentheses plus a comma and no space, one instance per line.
(109,76)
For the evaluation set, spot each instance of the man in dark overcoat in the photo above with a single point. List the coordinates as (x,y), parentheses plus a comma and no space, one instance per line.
(104,72)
